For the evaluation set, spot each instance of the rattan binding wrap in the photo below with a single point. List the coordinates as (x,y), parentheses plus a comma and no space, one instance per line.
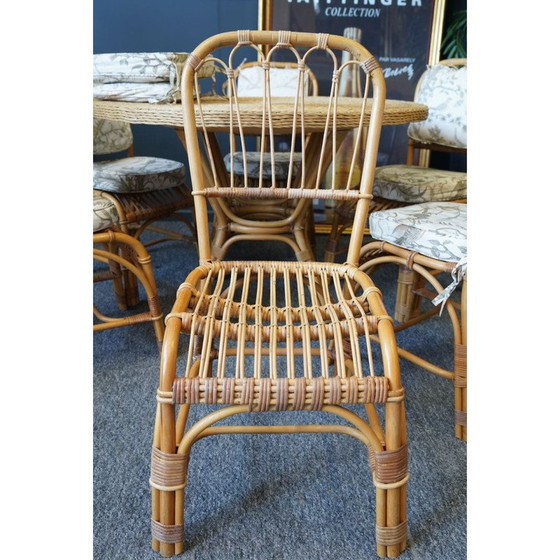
(461,417)
(168,533)
(390,467)
(168,470)
(281,394)
(391,535)
(460,365)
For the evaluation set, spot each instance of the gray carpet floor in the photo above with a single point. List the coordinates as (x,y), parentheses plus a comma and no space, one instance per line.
(269,497)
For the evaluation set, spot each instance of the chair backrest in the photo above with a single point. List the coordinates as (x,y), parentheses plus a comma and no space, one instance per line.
(110,137)
(443,88)
(284,77)
(317,123)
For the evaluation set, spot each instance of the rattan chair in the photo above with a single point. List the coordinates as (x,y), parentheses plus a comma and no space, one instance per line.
(108,245)
(442,88)
(262,336)
(427,241)
(144,190)
(265,220)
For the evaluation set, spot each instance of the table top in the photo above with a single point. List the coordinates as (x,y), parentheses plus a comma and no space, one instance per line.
(217,112)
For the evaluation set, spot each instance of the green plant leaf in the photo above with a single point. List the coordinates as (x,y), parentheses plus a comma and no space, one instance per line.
(454,43)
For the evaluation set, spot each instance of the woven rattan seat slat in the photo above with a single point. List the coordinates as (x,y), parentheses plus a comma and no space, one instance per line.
(228,331)
(319,312)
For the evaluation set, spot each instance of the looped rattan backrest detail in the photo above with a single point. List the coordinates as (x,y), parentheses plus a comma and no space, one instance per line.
(297,136)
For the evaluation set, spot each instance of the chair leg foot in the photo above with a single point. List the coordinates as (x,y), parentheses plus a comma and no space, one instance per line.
(390,477)
(168,480)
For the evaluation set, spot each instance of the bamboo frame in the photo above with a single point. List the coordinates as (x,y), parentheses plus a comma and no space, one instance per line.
(108,249)
(266,335)
(424,269)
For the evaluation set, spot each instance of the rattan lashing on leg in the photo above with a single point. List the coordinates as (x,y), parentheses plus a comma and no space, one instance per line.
(169,474)
(460,382)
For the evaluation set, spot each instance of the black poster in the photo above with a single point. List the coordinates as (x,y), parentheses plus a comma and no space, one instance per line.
(397,32)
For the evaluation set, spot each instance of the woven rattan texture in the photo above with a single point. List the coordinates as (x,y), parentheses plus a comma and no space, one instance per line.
(216,112)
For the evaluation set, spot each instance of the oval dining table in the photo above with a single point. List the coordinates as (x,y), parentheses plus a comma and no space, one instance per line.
(216,113)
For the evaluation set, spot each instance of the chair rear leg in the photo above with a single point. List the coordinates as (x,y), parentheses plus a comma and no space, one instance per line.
(407,303)
(338,225)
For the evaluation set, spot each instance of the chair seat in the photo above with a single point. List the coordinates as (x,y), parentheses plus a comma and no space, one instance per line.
(413,184)
(288,347)
(281,164)
(137,174)
(434,229)
(105,213)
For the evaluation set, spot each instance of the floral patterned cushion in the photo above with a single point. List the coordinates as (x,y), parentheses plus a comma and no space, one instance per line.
(150,77)
(111,136)
(136,92)
(281,164)
(444,90)
(137,174)
(409,183)
(433,229)
(104,213)
(139,67)
(283,82)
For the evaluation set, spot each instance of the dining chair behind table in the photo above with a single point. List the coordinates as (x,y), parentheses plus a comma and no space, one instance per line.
(261,336)
(144,190)
(429,242)
(443,88)
(419,223)
(267,220)
(108,244)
